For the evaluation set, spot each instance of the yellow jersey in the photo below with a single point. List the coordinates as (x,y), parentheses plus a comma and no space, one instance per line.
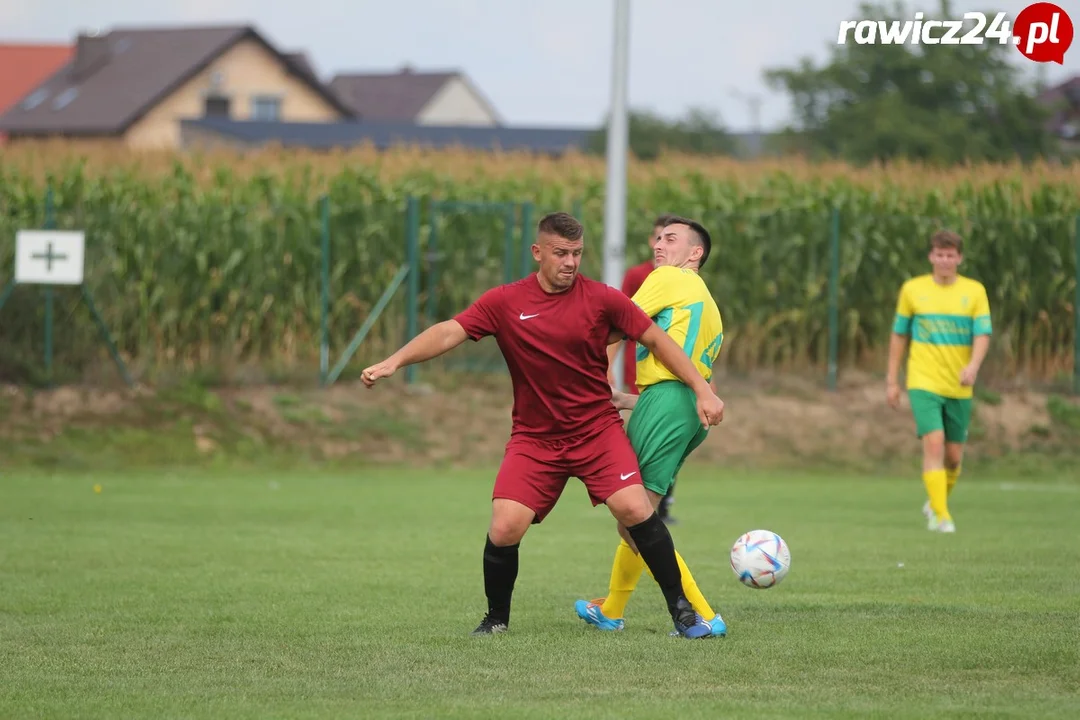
(943,321)
(679,302)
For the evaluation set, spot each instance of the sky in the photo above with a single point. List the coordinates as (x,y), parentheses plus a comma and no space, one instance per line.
(546,63)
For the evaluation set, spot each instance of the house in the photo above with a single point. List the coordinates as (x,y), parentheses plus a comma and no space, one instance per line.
(420,98)
(209,133)
(133,86)
(25,66)
(1063,102)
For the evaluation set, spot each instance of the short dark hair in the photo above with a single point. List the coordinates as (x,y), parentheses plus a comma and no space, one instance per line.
(698,233)
(663,220)
(944,239)
(562,225)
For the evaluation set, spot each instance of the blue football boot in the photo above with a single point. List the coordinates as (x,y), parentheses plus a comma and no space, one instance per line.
(590,612)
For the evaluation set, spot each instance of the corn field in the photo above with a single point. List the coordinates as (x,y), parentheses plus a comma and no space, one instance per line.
(211,263)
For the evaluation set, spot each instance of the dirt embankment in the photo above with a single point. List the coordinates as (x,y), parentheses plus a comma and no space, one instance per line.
(768,420)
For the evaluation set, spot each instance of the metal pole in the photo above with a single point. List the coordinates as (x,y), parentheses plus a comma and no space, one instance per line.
(324,350)
(617,146)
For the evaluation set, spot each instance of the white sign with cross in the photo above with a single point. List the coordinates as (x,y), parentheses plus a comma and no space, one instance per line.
(49,257)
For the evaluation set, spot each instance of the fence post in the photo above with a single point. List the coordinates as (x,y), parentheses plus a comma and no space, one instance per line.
(1076,311)
(526,239)
(412,245)
(834,295)
(508,250)
(50,224)
(432,259)
(324,350)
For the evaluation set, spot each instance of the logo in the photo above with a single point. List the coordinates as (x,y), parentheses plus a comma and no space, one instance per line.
(1042,32)
(627,476)
(523,316)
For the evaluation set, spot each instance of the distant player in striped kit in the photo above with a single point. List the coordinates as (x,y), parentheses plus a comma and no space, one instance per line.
(947,317)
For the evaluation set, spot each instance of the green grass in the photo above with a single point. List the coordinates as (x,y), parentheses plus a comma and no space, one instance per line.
(308,594)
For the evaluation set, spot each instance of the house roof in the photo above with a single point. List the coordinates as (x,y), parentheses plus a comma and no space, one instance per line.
(385,135)
(391,97)
(113,80)
(24,66)
(1063,100)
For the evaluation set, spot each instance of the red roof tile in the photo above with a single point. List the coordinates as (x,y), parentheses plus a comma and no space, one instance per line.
(24,66)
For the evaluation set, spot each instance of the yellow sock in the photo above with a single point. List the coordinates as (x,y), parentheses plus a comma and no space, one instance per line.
(937,489)
(690,590)
(693,594)
(950,480)
(625,574)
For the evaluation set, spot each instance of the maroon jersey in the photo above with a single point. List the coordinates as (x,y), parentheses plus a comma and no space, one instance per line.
(632,282)
(555,346)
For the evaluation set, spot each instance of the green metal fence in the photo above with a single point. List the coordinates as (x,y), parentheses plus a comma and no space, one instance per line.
(342,282)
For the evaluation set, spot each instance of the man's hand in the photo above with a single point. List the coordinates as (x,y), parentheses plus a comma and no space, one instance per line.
(892,394)
(710,408)
(376,372)
(623,400)
(968,375)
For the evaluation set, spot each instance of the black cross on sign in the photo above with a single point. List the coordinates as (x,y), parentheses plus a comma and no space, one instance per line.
(48,257)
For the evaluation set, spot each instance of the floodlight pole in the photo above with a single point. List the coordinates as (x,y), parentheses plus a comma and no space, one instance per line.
(617,146)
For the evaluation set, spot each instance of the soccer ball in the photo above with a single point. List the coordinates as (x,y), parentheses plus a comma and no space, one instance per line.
(760,559)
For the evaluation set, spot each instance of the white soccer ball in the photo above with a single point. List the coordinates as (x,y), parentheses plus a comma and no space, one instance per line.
(760,559)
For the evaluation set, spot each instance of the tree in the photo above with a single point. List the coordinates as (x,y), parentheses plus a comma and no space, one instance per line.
(700,132)
(936,103)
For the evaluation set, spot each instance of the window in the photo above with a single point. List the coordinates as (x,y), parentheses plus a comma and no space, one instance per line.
(35,99)
(63,99)
(216,106)
(266,108)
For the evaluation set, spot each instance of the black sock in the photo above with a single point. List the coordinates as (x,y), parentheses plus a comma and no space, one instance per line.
(657,549)
(500,573)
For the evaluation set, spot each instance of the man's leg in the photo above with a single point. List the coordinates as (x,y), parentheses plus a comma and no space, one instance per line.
(929,412)
(631,507)
(957,422)
(510,520)
(526,489)
(609,469)
(663,430)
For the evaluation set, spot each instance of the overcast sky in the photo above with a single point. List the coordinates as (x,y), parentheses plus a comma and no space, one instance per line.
(541,62)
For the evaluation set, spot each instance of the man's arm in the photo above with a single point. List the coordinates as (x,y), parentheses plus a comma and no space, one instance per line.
(897,346)
(979,347)
(674,359)
(431,343)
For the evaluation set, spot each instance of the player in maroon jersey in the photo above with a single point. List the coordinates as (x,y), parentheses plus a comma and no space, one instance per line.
(553,329)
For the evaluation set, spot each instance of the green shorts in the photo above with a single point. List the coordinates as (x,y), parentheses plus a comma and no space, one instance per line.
(664,429)
(935,412)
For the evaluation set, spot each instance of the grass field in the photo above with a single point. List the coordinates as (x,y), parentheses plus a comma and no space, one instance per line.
(310,595)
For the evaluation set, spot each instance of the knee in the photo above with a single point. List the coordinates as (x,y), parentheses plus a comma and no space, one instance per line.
(633,513)
(934,447)
(506,531)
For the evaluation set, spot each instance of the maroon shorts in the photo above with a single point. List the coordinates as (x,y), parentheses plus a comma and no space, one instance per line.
(534,471)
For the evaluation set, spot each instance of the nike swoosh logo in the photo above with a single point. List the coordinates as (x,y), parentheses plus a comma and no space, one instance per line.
(628,475)
(523,316)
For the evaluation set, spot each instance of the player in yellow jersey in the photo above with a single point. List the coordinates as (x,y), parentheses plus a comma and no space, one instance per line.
(947,317)
(664,428)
